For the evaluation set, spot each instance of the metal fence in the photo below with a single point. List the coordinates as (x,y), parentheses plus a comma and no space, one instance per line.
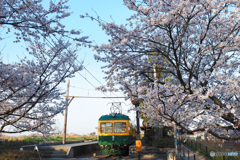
(205,149)
(200,147)
(185,153)
(33,148)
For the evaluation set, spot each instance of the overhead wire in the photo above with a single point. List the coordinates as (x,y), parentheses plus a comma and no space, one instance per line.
(69,52)
(78,60)
(81,88)
(97,79)
(60,43)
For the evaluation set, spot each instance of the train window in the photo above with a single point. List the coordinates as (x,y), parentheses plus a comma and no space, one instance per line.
(120,127)
(106,128)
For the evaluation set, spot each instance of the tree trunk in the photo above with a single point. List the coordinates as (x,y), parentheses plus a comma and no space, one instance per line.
(206,136)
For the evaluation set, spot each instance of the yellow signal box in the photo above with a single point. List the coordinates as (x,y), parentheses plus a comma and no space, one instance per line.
(138,145)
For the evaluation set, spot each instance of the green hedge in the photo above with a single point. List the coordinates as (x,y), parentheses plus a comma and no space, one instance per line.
(18,155)
(163,143)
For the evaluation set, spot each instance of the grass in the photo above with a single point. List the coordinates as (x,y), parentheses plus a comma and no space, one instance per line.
(18,155)
(9,149)
(27,140)
(56,139)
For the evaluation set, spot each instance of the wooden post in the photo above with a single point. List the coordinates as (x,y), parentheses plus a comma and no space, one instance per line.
(205,136)
(65,116)
(136,103)
(146,131)
(175,139)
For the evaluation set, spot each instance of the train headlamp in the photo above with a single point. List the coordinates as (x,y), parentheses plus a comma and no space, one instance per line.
(113,114)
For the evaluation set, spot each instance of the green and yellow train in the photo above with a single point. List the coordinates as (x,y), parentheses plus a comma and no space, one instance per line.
(115,134)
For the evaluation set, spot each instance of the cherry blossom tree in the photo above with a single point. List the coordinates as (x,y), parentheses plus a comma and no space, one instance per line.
(196,46)
(29,88)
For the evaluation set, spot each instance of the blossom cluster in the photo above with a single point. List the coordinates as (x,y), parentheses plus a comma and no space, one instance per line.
(181,57)
(29,89)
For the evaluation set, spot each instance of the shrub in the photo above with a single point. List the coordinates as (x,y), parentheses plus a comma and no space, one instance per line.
(18,155)
(166,130)
(163,143)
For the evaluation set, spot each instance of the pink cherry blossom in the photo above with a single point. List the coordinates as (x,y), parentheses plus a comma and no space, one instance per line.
(182,59)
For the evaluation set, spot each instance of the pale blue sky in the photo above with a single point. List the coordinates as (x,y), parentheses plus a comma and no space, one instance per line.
(83,114)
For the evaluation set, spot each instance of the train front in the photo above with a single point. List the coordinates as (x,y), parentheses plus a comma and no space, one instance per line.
(115,134)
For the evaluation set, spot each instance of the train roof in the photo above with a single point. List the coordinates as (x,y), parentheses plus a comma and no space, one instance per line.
(114,117)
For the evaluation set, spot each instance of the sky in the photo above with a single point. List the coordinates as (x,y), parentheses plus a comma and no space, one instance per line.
(83,113)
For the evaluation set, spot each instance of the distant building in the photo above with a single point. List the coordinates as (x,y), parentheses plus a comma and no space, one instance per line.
(197,135)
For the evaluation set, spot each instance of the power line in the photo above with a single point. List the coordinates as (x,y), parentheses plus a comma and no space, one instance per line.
(82,88)
(92,97)
(96,78)
(68,51)
(56,39)
(90,83)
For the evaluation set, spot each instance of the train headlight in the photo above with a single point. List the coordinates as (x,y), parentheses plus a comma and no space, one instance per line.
(113,114)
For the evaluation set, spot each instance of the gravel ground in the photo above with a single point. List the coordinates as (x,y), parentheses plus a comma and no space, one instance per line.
(91,155)
(98,155)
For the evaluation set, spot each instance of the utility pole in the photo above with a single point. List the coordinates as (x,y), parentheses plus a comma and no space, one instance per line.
(137,117)
(138,130)
(136,104)
(138,141)
(66,110)
(175,137)
(65,115)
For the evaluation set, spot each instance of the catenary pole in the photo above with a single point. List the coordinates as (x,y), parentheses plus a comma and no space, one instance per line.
(65,115)
(66,110)
(175,138)
(136,104)
(137,118)
(138,130)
